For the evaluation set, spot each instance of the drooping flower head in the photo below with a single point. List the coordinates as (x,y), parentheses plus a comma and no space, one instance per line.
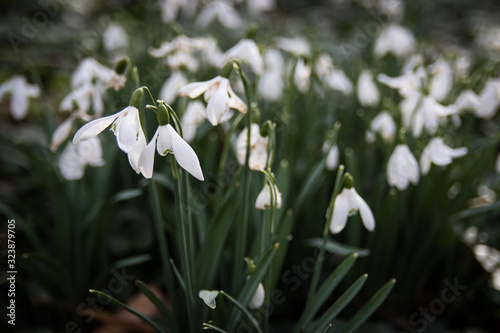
(402,167)
(439,153)
(348,203)
(258,148)
(219,96)
(21,91)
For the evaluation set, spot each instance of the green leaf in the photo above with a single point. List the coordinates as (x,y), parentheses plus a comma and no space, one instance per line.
(325,291)
(209,296)
(156,301)
(127,308)
(126,195)
(473,211)
(243,309)
(131,261)
(337,248)
(178,275)
(340,304)
(366,311)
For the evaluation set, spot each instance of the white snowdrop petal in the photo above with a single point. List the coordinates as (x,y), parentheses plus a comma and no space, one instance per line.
(147,158)
(94,127)
(366,214)
(127,129)
(61,133)
(258,298)
(341,208)
(184,154)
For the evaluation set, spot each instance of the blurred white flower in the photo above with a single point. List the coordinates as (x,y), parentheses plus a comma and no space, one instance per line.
(367,91)
(489,99)
(126,127)
(384,125)
(427,115)
(248,52)
(180,52)
(302,76)
(263,200)
(467,100)
(89,71)
(439,153)
(167,140)
(298,46)
(332,159)
(219,96)
(192,118)
(402,168)
(346,204)
(115,38)
(212,54)
(75,158)
(170,88)
(257,298)
(487,256)
(441,80)
(82,98)
(223,11)
(61,133)
(334,78)
(170,9)
(270,86)
(396,40)
(258,148)
(20,91)
(256,7)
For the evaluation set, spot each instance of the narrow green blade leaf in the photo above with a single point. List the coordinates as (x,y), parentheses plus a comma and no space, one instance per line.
(126,195)
(156,301)
(326,289)
(366,311)
(127,308)
(337,248)
(340,304)
(243,309)
(131,261)
(178,275)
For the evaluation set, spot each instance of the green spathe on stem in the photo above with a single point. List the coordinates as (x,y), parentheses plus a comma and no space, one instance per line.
(227,69)
(162,115)
(122,66)
(348,180)
(136,98)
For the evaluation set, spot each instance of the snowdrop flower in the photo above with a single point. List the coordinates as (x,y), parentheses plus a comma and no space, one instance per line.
(489,99)
(176,81)
(256,7)
(396,40)
(211,53)
(246,51)
(170,9)
(298,46)
(219,96)
(179,52)
(115,38)
(21,91)
(439,153)
(334,78)
(75,158)
(263,201)
(258,148)
(332,159)
(192,118)
(348,203)
(270,86)
(384,125)
(84,97)
(223,11)
(301,76)
(167,140)
(402,168)
(367,91)
(258,298)
(487,256)
(90,70)
(467,100)
(61,133)
(442,79)
(428,114)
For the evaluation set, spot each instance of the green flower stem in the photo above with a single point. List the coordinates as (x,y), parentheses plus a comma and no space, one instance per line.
(241,228)
(319,263)
(186,238)
(162,242)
